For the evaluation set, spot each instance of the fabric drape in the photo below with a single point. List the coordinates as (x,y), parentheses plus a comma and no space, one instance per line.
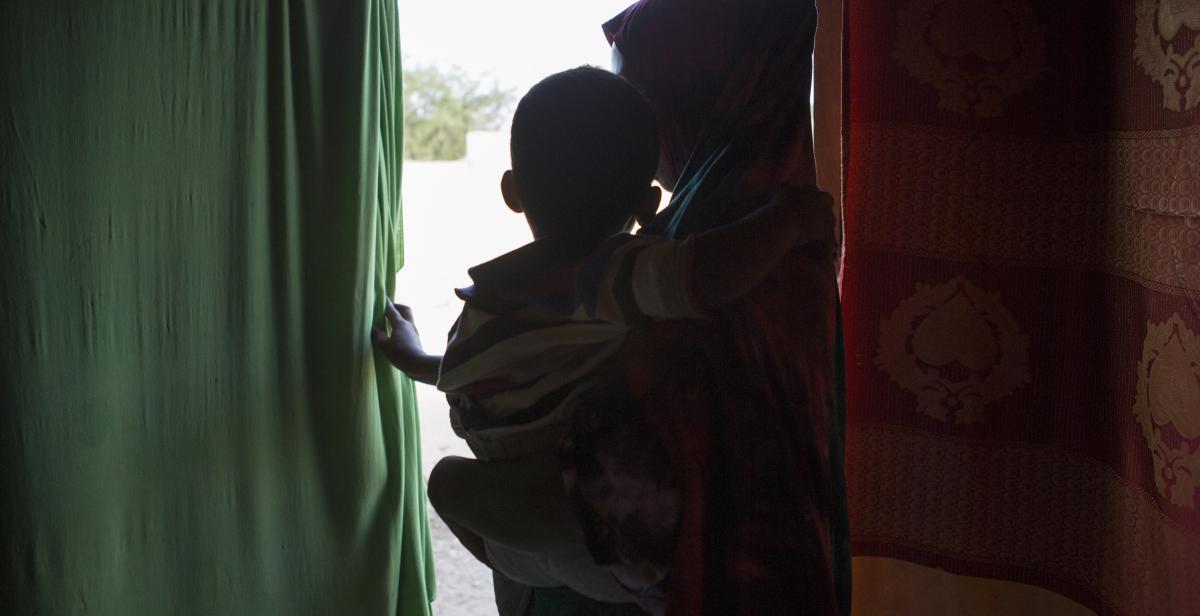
(1020,290)
(200,222)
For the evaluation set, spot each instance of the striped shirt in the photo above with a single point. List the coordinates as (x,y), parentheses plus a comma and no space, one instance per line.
(534,327)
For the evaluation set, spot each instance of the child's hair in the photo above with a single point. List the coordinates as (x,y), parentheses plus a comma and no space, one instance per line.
(584,150)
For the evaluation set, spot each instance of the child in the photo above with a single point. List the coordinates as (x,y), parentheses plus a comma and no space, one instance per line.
(539,320)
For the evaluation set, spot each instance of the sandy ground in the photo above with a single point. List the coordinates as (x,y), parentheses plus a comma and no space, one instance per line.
(454,218)
(464,586)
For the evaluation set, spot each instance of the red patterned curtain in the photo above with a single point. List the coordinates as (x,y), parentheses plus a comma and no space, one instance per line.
(1022,305)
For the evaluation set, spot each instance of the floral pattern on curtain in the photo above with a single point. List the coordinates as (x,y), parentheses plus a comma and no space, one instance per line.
(1022,305)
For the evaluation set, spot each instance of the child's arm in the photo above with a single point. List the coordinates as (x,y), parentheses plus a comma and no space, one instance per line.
(732,260)
(403,347)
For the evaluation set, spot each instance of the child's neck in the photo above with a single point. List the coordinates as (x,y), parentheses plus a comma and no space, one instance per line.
(573,246)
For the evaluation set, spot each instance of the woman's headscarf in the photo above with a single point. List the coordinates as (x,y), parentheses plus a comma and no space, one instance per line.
(730,82)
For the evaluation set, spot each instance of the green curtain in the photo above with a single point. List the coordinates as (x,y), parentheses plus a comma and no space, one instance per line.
(200,222)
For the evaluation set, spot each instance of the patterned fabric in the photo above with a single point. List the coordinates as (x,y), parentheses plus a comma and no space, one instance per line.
(535,325)
(1021,280)
(726,471)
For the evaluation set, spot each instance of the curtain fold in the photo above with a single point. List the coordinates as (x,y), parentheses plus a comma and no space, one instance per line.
(200,222)
(1021,293)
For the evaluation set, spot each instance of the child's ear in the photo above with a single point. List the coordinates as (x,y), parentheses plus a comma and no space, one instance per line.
(648,206)
(508,188)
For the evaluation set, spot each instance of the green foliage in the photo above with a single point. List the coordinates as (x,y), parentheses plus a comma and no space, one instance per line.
(442,104)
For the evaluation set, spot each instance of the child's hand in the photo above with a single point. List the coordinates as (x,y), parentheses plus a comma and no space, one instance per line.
(403,347)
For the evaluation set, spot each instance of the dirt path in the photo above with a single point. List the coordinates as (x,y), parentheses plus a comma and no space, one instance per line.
(464,586)
(454,218)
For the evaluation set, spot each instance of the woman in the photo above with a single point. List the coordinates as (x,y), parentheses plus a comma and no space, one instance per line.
(720,491)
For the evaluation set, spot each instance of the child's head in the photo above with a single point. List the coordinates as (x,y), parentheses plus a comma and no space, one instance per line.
(584,151)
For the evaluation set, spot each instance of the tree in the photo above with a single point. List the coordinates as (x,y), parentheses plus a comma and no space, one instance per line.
(442,104)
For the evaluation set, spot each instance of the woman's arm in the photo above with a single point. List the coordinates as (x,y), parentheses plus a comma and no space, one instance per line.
(403,347)
(731,261)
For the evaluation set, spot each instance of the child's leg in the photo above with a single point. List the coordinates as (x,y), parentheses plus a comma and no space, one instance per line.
(521,504)
(468,539)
